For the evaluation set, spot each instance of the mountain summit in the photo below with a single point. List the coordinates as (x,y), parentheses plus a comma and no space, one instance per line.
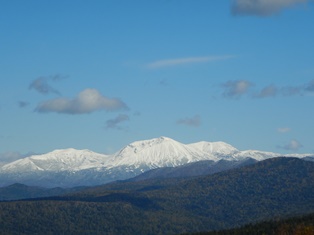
(71,167)
(158,152)
(59,160)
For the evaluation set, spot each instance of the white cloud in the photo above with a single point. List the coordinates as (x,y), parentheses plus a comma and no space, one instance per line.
(87,101)
(188,60)
(235,89)
(192,121)
(262,7)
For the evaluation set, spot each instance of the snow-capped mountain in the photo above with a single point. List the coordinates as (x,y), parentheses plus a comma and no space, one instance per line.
(219,150)
(159,152)
(261,155)
(71,167)
(58,160)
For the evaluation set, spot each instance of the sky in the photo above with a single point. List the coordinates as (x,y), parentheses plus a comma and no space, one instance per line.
(100,74)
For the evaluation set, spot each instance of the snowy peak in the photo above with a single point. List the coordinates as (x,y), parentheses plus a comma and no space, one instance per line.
(145,154)
(21,165)
(59,160)
(71,167)
(216,148)
(144,144)
(158,152)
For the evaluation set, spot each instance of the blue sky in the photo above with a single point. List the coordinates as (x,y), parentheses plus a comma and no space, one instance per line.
(101,74)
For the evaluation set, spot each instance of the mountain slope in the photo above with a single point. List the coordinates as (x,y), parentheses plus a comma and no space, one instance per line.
(220,150)
(59,160)
(273,188)
(193,169)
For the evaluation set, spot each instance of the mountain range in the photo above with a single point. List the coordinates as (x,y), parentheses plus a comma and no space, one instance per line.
(71,167)
(267,190)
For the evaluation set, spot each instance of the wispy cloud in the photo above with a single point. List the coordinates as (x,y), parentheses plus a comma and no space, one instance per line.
(283,129)
(22,104)
(303,89)
(57,77)
(291,90)
(236,89)
(293,145)
(190,121)
(137,113)
(163,82)
(268,91)
(42,85)
(261,7)
(309,87)
(188,60)
(87,101)
(114,123)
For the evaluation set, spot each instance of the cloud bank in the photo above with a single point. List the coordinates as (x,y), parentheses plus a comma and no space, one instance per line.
(189,60)
(87,101)
(261,7)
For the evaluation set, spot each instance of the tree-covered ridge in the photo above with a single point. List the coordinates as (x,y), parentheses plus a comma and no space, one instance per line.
(303,225)
(21,191)
(274,188)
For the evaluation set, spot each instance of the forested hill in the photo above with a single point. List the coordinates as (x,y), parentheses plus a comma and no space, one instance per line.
(274,188)
(21,191)
(302,225)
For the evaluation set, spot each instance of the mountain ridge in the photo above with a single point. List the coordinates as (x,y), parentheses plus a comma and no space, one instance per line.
(70,167)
